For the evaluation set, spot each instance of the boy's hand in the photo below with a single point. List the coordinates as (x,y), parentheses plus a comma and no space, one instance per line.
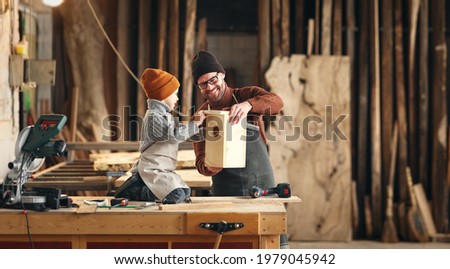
(199,117)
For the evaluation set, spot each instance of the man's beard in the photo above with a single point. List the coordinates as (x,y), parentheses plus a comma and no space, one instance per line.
(220,92)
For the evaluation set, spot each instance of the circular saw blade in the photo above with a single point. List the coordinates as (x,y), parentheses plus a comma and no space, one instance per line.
(19,154)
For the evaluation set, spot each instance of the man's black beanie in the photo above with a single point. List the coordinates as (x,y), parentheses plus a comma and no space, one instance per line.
(204,62)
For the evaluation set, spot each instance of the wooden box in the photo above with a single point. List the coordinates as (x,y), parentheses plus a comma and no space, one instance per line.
(225,144)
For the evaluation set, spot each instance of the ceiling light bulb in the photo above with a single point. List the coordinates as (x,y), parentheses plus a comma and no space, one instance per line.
(52,3)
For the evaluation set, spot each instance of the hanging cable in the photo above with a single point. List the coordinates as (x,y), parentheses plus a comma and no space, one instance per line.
(111,44)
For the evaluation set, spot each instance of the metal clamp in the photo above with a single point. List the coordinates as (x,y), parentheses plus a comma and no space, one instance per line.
(222,226)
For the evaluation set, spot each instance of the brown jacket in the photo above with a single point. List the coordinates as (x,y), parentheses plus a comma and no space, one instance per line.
(263,103)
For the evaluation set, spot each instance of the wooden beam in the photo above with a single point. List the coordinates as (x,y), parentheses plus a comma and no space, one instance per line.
(263,39)
(402,119)
(123,77)
(337,27)
(188,55)
(144,46)
(387,85)
(439,125)
(174,37)
(363,116)
(376,193)
(201,45)
(285,25)
(299,27)
(163,8)
(327,11)
(412,82)
(424,96)
(276,28)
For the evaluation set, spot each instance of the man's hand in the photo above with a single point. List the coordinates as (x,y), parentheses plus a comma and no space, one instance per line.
(238,111)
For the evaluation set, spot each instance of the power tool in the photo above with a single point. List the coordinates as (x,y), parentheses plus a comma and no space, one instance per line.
(283,190)
(33,144)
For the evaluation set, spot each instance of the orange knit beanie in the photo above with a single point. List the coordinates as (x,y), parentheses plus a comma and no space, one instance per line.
(158,84)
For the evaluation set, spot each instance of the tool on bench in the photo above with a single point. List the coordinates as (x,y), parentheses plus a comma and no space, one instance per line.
(116,202)
(34,143)
(283,190)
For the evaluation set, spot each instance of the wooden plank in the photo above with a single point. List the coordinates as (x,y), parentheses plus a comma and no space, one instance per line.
(247,199)
(401,115)
(144,52)
(263,40)
(362,111)
(276,27)
(387,86)
(317,27)
(285,32)
(327,11)
(439,184)
(337,28)
(174,37)
(124,40)
(163,8)
(376,184)
(86,209)
(423,139)
(412,82)
(325,175)
(201,45)
(188,55)
(299,26)
(194,206)
(424,208)
(194,179)
(351,52)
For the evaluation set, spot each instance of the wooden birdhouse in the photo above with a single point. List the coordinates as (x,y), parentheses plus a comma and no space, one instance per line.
(225,144)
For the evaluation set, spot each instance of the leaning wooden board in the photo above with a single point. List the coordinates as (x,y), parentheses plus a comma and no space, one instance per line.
(317,163)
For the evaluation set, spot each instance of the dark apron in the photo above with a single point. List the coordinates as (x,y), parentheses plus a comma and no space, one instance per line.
(257,171)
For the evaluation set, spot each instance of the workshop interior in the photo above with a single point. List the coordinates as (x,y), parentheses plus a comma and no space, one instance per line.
(359,151)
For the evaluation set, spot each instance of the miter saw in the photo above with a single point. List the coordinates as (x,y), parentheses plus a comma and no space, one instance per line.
(33,144)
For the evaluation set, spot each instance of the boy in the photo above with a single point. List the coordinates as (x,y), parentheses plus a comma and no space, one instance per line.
(153,176)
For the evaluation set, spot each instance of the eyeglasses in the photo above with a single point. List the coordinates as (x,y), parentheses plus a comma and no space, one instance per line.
(211,81)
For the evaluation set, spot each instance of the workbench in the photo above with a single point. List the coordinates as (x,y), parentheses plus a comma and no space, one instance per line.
(263,220)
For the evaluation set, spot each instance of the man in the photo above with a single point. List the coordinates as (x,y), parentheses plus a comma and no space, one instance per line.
(251,101)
